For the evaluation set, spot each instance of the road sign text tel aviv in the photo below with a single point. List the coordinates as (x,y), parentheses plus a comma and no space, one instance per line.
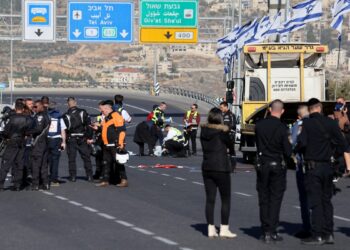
(100,21)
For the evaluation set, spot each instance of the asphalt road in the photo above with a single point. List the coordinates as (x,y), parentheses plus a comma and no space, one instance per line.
(162,208)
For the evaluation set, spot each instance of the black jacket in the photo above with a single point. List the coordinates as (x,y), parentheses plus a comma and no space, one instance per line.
(320,139)
(272,140)
(78,121)
(215,141)
(16,126)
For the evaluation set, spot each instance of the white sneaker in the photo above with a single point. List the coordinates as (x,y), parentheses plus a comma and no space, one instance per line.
(212,231)
(226,233)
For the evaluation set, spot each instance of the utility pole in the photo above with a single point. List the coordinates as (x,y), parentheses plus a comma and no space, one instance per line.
(155,68)
(238,74)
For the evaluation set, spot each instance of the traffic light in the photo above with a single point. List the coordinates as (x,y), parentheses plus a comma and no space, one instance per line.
(229,91)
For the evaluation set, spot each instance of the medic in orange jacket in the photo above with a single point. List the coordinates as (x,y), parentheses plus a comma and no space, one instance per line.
(113,130)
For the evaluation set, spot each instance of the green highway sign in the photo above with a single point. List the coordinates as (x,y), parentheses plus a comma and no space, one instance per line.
(174,13)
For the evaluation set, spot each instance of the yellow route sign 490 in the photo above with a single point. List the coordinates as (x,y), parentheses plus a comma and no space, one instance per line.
(168,35)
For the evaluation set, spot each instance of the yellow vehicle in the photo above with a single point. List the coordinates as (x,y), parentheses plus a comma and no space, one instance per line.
(293,73)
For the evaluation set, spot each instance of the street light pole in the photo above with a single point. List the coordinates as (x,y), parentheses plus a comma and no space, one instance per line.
(238,74)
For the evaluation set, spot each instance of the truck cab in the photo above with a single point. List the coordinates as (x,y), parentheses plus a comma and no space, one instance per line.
(293,73)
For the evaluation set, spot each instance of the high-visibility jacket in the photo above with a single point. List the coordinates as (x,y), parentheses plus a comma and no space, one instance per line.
(175,135)
(113,129)
(158,117)
(192,119)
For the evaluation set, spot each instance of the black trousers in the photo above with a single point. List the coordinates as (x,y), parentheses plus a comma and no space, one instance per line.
(175,148)
(319,188)
(212,182)
(75,145)
(99,164)
(142,148)
(40,164)
(12,159)
(111,166)
(54,154)
(191,135)
(304,204)
(271,184)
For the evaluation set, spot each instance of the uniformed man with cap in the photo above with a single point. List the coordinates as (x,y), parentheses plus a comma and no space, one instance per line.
(79,136)
(319,140)
(273,146)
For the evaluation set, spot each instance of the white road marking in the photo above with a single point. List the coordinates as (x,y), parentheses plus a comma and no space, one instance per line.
(185,248)
(153,172)
(166,175)
(179,178)
(124,223)
(197,183)
(165,240)
(131,126)
(142,169)
(48,193)
(341,218)
(135,107)
(143,231)
(61,198)
(90,209)
(131,166)
(75,203)
(243,194)
(335,216)
(107,216)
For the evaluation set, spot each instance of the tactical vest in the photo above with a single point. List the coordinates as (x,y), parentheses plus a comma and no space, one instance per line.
(55,124)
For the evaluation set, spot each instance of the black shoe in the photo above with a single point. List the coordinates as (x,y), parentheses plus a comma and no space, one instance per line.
(276,237)
(266,238)
(303,234)
(329,239)
(35,188)
(45,187)
(96,176)
(313,241)
(72,179)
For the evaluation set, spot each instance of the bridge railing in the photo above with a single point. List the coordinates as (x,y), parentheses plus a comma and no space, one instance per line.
(128,86)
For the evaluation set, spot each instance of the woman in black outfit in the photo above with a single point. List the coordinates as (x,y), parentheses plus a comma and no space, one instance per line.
(216,170)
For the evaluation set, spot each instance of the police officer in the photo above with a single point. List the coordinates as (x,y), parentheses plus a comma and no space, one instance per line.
(191,120)
(230,121)
(303,113)
(79,136)
(14,135)
(39,150)
(272,147)
(319,140)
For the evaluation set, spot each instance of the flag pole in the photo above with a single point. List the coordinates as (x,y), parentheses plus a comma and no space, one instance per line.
(336,82)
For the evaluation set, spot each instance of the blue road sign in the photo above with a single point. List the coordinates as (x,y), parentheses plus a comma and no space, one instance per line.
(100,22)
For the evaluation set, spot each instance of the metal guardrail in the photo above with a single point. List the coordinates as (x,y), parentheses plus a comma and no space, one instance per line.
(130,86)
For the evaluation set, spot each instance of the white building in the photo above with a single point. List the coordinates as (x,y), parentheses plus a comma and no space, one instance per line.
(332,58)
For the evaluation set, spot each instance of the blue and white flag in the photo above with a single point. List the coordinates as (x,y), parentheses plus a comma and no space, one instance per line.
(340,8)
(260,30)
(275,27)
(303,13)
(245,36)
(228,39)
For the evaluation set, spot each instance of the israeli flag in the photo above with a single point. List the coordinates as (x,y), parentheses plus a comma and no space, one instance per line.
(261,28)
(227,40)
(305,12)
(275,27)
(245,36)
(340,8)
